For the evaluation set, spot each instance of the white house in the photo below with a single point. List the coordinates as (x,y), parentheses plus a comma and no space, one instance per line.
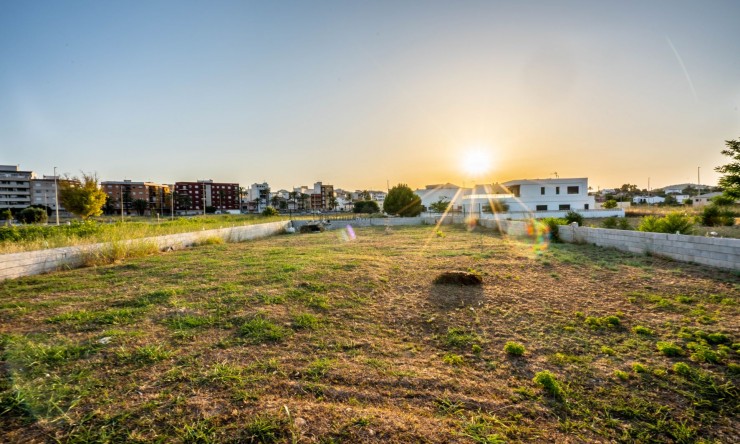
(443,192)
(648,200)
(704,199)
(532,195)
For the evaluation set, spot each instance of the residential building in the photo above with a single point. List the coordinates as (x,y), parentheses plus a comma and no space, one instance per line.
(258,197)
(322,197)
(15,187)
(704,199)
(446,192)
(530,195)
(196,197)
(650,200)
(44,192)
(123,193)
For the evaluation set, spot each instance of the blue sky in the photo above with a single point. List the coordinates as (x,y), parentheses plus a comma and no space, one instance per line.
(360,93)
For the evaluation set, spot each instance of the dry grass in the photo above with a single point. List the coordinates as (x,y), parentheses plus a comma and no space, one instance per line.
(307,338)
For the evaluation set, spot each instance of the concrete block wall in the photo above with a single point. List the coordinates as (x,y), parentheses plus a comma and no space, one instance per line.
(715,252)
(44,261)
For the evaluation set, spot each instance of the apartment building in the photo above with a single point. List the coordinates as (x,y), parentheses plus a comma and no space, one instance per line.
(322,197)
(44,192)
(15,187)
(123,193)
(195,197)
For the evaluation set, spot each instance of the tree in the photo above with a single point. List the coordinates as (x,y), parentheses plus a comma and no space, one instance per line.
(83,198)
(366,206)
(440,206)
(183,201)
(108,207)
(365,195)
(33,215)
(730,182)
(140,205)
(7,215)
(333,202)
(270,211)
(402,201)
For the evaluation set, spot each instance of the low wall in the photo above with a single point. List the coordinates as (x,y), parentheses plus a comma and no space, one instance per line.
(43,261)
(715,252)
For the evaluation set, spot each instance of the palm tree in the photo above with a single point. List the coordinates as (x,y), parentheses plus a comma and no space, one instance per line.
(304,198)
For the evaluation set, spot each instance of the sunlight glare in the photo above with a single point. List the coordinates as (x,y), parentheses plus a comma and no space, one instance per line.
(476,162)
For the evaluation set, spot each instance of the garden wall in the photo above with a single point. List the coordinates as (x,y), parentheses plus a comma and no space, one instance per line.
(712,251)
(43,261)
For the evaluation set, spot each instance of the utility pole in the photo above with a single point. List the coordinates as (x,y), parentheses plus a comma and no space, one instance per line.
(120,189)
(56,195)
(698,180)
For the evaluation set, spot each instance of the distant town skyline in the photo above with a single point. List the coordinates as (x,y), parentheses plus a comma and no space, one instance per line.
(361,95)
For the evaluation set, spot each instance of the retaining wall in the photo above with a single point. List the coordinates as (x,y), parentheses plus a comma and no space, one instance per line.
(43,261)
(712,251)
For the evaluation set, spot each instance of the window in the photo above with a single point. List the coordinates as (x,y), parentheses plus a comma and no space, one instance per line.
(585,207)
(564,207)
(557,190)
(573,190)
(515,190)
(542,190)
(541,207)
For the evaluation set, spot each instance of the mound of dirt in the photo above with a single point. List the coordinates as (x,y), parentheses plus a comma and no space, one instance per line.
(458,278)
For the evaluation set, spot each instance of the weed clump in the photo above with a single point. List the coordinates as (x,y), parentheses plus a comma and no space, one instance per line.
(549,383)
(602,322)
(259,329)
(514,348)
(644,331)
(669,349)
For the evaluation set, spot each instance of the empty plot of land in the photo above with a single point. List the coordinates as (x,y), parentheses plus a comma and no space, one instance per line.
(324,338)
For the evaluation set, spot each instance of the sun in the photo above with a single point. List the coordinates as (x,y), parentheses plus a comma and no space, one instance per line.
(476,162)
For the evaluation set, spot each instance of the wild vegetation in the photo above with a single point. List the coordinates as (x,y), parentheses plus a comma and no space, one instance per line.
(311,338)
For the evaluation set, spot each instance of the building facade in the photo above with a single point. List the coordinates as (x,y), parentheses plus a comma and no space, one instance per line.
(196,197)
(44,192)
(531,195)
(123,193)
(15,187)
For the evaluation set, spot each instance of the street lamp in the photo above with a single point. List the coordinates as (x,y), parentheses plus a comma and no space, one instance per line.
(56,195)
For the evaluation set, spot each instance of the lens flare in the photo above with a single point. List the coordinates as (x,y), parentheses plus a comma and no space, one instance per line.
(539,232)
(347,234)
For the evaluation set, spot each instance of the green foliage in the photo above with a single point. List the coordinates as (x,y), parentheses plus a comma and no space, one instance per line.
(723,200)
(714,215)
(669,349)
(319,368)
(614,222)
(83,198)
(305,321)
(453,359)
(553,225)
(459,337)
(266,429)
(270,211)
(675,222)
(610,204)
(549,382)
(514,348)
(572,216)
(640,330)
(6,214)
(602,322)
(366,206)
(402,201)
(730,182)
(439,206)
(259,329)
(33,215)
(140,205)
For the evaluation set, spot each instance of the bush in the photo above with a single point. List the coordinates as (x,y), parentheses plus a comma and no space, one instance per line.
(270,211)
(402,201)
(669,349)
(33,215)
(672,223)
(548,382)
(366,206)
(553,223)
(715,215)
(610,204)
(514,348)
(572,216)
(616,223)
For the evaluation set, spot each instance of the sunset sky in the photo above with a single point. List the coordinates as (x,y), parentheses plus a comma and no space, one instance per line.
(361,93)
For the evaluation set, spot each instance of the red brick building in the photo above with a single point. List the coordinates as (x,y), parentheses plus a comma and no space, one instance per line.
(194,197)
(125,192)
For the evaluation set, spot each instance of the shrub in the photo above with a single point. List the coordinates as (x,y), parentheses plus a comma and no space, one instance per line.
(640,330)
(366,206)
(672,223)
(270,211)
(514,348)
(609,204)
(669,349)
(553,223)
(33,215)
(572,216)
(548,382)
(715,215)
(610,222)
